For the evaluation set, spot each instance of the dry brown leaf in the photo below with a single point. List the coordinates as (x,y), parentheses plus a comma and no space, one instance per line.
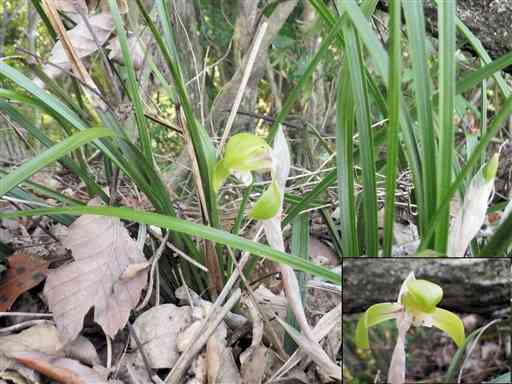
(157,330)
(253,370)
(321,253)
(16,373)
(25,272)
(45,338)
(272,305)
(82,40)
(136,51)
(41,338)
(59,369)
(221,364)
(103,251)
(83,350)
(70,6)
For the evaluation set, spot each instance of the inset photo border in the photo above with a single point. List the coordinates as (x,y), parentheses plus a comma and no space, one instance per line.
(411,320)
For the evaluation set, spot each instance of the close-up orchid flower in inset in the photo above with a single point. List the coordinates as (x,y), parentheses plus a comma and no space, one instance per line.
(416,305)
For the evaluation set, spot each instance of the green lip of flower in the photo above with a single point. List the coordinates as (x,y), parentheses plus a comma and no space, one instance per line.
(420,301)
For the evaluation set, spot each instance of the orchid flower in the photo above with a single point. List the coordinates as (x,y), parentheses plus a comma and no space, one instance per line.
(418,299)
(416,305)
(244,153)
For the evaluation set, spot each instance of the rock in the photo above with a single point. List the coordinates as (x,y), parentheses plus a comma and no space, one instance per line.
(470,285)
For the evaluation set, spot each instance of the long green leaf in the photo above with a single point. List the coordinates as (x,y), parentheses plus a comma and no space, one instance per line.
(133,86)
(45,191)
(192,229)
(394,121)
(22,173)
(446,106)
(381,62)
(367,161)
(299,247)
(201,142)
(479,48)
(51,101)
(23,122)
(502,379)
(473,78)
(344,165)
(310,196)
(493,129)
(62,111)
(414,16)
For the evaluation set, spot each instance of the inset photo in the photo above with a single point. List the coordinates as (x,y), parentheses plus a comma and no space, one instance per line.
(416,320)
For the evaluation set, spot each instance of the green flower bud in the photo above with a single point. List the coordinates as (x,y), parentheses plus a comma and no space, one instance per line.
(268,204)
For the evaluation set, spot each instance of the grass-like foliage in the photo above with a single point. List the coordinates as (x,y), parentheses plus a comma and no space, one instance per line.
(417,133)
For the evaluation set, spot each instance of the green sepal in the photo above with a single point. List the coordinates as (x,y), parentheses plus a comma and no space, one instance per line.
(376,314)
(449,323)
(247,152)
(421,296)
(268,204)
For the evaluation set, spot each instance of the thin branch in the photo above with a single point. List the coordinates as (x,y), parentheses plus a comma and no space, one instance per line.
(243,84)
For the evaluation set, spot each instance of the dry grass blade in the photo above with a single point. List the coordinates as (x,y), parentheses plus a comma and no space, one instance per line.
(211,259)
(473,345)
(314,351)
(154,264)
(253,359)
(207,328)
(280,170)
(396,373)
(74,58)
(250,63)
(322,329)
